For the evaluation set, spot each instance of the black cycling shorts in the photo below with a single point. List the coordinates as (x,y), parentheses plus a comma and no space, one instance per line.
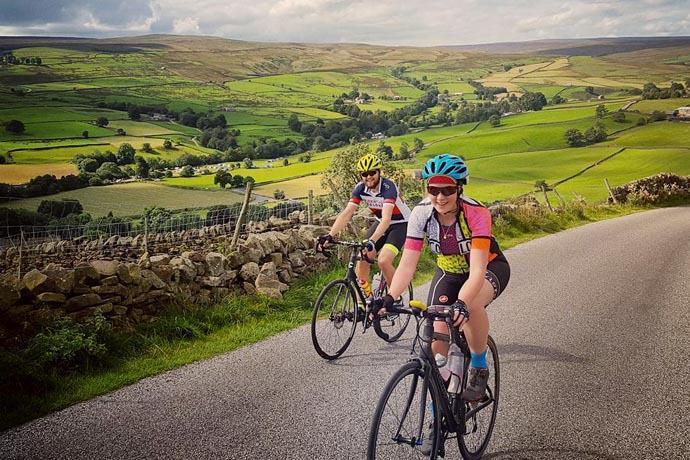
(394,237)
(445,286)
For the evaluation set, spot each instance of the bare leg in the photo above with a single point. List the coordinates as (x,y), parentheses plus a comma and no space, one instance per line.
(385,261)
(477,328)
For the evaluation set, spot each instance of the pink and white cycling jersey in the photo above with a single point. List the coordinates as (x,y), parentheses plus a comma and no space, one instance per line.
(473,230)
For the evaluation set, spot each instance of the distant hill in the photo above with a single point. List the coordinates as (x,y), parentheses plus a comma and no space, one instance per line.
(576,47)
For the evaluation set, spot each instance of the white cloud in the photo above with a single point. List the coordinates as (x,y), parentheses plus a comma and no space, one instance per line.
(394,22)
(186,26)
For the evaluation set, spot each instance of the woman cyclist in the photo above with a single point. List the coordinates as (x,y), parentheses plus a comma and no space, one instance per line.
(471,269)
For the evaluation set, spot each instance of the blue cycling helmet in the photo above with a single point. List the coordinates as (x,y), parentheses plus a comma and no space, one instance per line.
(446,165)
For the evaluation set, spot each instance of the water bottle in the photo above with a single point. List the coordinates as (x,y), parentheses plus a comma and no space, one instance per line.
(455,365)
(442,368)
(375,284)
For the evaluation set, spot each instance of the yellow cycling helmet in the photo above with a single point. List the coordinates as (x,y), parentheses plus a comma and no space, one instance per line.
(368,162)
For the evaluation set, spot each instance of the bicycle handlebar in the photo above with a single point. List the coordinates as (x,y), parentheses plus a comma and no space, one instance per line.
(419,309)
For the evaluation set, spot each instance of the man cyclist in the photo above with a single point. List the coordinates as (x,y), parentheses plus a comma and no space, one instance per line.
(386,236)
(471,269)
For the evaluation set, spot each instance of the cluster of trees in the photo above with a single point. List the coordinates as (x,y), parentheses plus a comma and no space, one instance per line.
(11,59)
(46,184)
(223,178)
(576,138)
(651,91)
(219,138)
(486,92)
(203,121)
(398,72)
(15,127)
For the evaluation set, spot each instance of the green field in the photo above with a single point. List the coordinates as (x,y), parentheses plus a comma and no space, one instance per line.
(132,198)
(256,88)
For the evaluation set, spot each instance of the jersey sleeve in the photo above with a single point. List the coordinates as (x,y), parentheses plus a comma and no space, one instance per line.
(479,222)
(389,192)
(415,227)
(356,197)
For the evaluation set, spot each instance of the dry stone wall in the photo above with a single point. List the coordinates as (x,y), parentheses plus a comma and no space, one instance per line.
(130,287)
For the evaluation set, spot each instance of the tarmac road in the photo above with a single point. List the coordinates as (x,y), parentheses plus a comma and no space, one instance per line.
(593,334)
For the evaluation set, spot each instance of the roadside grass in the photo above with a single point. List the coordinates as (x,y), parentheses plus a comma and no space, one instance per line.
(190,333)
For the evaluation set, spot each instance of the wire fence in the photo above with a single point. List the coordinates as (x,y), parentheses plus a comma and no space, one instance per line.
(159,230)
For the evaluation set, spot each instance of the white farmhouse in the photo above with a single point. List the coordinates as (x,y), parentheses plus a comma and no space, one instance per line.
(683,113)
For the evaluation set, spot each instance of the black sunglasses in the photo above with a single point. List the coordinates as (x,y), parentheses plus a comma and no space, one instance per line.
(369,173)
(445,191)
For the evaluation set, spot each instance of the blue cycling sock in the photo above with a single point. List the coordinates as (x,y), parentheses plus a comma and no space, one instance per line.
(478,360)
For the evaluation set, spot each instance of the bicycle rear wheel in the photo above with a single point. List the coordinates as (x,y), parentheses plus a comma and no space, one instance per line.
(481,416)
(391,327)
(404,417)
(334,319)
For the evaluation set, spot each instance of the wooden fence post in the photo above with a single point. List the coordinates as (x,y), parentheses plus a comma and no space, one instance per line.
(310,207)
(546,197)
(608,187)
(21,244)
(146,233)
(241,217)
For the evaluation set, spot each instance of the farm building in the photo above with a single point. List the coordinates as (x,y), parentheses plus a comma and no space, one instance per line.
(378,136)
(683,113)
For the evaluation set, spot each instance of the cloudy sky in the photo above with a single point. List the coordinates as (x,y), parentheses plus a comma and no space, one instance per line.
(392,22)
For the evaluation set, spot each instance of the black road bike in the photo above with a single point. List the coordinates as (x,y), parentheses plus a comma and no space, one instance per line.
(342,304)
(416,414)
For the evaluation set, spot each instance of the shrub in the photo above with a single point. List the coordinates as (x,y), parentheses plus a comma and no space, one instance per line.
(59,208)
(187,171)
(279,194)
(15,127)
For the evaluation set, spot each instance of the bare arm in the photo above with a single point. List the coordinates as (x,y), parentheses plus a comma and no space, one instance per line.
(404,272)
(479,259)
(386,217)
(342,219)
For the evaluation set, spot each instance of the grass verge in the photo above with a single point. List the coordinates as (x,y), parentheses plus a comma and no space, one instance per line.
(71,363)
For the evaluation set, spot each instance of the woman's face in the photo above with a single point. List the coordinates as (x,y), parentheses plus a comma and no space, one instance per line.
(443,203)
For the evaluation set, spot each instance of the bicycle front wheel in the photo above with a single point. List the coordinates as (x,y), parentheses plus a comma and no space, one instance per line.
(391,327)
(334,319)
(404,422)
(481,416)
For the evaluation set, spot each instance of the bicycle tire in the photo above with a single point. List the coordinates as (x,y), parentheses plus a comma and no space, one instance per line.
(485,418)
(389,322)
(342,315)
(414,402)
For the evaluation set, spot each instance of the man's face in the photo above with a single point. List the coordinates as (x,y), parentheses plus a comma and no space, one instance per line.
(371,178)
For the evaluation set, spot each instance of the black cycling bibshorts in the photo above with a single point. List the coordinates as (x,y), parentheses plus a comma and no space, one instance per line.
(445,286)
(393,239)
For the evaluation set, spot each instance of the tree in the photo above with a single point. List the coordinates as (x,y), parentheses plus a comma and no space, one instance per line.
(167,144)
(121,132)
(134,114)
(125,154)
(574,137)
(305,157)
(601,111)
(557,99)
(85,134)
(279,194)
(102,122)
(596,133)
(110,171)
(222,178)
(88,165)
(146,147)
(293,123)
(286,162)
(142,167)
(248,163)
(187,171)
(418,144)
(15,127)
(618,117)
(385,151)
(404,152)
(494,120)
